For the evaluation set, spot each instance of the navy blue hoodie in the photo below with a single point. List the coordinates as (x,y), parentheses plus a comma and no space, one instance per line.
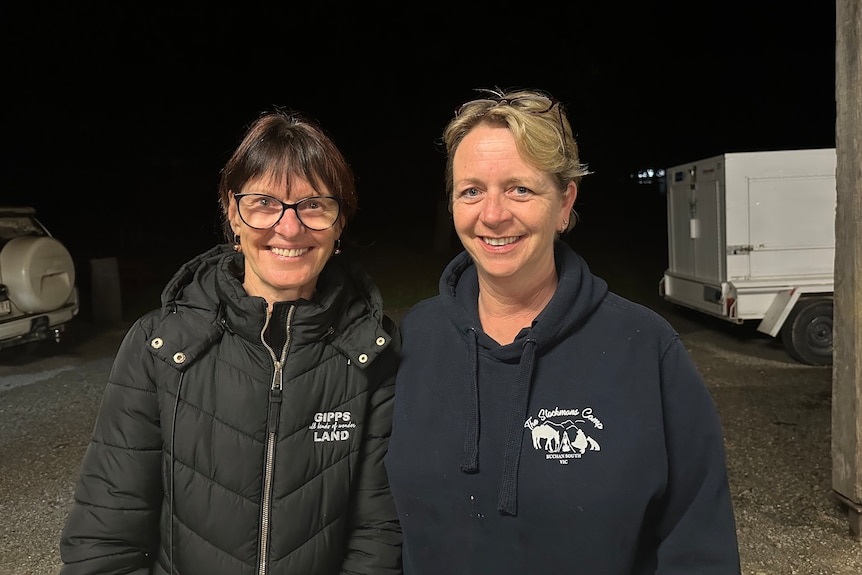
(590,444)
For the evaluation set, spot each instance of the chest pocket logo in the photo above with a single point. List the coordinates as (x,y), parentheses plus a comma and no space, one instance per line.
(332,426)
(564,434)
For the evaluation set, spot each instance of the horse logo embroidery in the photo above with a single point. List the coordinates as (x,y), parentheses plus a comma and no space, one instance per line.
(566,439)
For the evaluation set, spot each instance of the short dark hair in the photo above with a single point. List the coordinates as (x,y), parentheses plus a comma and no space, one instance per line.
(286,144)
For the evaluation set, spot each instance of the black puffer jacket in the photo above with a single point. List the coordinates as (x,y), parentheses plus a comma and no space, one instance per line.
(210,457)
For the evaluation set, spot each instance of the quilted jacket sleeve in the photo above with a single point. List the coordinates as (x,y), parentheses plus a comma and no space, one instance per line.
(374,546)
(113,525)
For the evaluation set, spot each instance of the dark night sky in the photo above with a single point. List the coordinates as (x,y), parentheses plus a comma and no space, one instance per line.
(117,120)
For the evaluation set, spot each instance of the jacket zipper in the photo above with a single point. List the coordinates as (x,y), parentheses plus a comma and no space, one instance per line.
(275,397)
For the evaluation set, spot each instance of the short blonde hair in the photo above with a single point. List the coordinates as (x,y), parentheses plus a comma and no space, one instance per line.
(539,124)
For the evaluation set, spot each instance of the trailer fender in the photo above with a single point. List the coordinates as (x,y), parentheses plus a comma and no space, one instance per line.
(778,311)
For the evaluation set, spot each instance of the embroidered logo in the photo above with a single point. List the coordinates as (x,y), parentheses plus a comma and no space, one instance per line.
(560,433)
(332,426)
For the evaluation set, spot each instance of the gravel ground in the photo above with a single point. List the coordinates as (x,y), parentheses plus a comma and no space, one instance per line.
(776,416)
(775,413)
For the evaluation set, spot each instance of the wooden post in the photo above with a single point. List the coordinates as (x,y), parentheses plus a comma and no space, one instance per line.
(847,330)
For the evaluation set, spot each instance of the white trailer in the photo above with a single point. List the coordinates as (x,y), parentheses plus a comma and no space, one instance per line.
(751,236)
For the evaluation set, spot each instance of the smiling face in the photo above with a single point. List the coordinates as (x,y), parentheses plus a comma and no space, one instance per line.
(506,213)
(282,263)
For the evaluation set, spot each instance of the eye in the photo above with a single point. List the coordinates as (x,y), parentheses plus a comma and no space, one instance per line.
(469,193)
(258,201)
(520,192)
(310,204)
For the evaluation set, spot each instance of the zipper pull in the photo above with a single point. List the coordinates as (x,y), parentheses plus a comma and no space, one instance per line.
(275,397)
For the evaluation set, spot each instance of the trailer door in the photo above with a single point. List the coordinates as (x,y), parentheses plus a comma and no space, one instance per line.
(695,226)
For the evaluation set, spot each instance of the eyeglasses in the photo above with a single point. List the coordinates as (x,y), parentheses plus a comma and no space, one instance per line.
(262,212)
(526,104)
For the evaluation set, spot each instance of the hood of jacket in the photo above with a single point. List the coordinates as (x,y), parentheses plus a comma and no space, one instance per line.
(577,296)
(208,292)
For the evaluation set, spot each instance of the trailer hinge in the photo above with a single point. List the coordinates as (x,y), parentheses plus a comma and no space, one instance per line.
(736,250)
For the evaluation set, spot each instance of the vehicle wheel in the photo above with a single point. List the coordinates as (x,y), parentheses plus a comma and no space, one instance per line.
(39,272)
(807,333)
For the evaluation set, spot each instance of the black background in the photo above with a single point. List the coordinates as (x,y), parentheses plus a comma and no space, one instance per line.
(119,116)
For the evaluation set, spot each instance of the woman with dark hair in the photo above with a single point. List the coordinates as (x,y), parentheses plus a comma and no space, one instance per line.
(244,424)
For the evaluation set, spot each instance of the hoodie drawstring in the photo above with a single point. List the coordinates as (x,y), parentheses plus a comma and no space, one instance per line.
(508,502)
(471,436)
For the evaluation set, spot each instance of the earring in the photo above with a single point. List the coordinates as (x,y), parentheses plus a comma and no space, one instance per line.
(237,247)
(337,249)
(565,225)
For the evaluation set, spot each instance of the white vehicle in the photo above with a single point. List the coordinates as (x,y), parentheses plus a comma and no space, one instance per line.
(38,294)
(751,236)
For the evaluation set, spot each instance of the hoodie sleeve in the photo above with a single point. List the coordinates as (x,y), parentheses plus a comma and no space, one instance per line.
(375,541)
(113,524)
(696,529)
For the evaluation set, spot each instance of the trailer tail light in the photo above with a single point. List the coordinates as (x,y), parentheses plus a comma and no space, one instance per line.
(730,307)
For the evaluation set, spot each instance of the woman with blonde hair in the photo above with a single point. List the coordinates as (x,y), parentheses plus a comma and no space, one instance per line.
(542,423)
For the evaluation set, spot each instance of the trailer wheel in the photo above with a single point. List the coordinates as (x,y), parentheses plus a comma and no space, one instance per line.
(807,333)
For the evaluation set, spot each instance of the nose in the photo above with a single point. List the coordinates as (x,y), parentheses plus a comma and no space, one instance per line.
(289,223)
(494,209)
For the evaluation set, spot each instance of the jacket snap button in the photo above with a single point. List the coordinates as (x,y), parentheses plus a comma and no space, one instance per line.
(363,358)
(179,357)
(381,340)
(157,343)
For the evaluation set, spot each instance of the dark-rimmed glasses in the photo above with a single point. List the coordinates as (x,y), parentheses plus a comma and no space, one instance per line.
(526,104)
(262,212)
